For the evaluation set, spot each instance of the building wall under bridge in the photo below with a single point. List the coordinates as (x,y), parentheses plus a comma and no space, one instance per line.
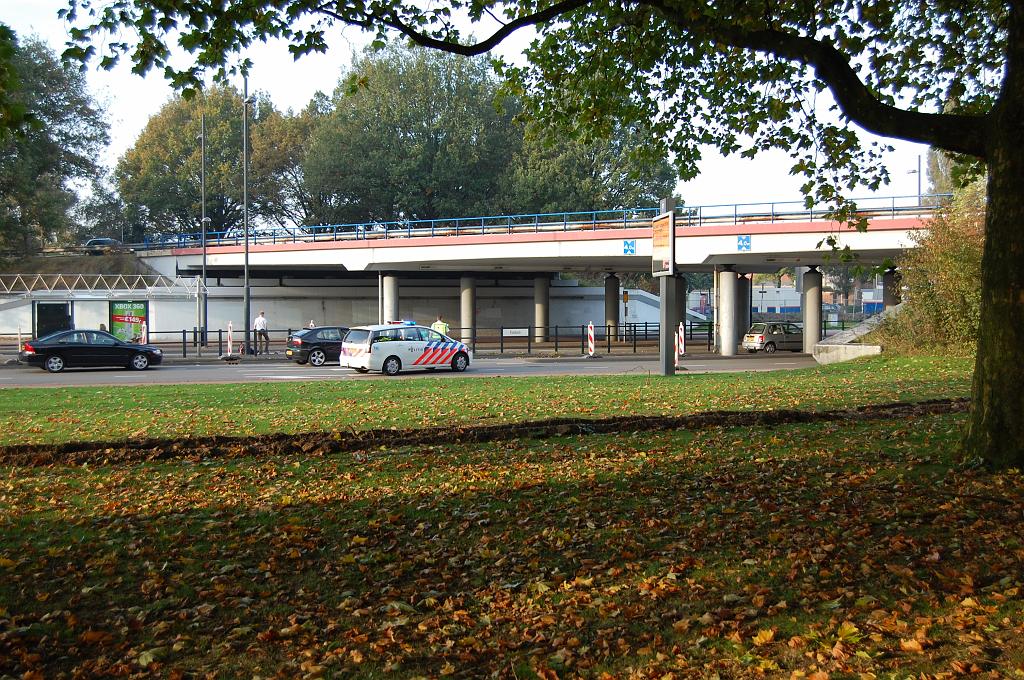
(289,304)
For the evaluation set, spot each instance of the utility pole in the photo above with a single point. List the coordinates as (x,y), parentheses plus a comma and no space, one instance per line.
(245,208)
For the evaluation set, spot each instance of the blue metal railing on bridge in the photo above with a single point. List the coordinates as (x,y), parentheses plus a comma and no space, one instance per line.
(686,216)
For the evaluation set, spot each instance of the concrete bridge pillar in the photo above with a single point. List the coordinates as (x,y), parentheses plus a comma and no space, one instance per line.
(541,307)
(811,299)
(467,309)
(668,318)
(727,312)
(742,306)
(611,304)
(389,293)
(890,288)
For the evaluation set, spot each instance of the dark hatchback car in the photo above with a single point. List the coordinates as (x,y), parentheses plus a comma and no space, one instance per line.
(98,246)
(79,349)
(315,346)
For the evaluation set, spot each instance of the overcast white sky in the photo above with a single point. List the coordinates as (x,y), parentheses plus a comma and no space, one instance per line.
(130,101)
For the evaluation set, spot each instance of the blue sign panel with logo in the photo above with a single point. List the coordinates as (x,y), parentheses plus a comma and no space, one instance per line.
(629,247)
(743,243)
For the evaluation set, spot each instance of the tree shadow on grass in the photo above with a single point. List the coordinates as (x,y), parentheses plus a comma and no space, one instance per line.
(852,547)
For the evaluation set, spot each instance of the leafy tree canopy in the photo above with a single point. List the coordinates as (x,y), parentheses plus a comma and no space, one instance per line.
(159,178)
(740,75)
(413,134)
(13,114)
(420,134)
(942,279)
(41,164)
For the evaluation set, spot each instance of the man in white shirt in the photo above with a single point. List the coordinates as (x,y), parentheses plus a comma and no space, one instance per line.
(262,337)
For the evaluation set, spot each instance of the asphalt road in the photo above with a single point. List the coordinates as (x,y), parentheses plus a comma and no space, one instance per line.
(183,372)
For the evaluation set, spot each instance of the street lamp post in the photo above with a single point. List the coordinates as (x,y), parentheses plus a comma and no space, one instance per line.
(245,208)
(918,179)
(204,224)
(918,173)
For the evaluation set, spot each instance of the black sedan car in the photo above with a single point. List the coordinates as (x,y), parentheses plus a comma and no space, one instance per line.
(315,346)
(79,348)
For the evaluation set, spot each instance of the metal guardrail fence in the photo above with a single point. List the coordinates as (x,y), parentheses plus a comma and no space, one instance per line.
(627,338)
(687,216)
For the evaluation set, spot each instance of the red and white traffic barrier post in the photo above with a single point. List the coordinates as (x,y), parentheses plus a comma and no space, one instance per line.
(680,343)
(230,338)
(590,339)
(677,352)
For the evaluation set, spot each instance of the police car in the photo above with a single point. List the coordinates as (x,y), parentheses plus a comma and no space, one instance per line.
(392,347)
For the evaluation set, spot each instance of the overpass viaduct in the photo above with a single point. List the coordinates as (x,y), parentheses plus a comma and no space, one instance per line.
(732,241)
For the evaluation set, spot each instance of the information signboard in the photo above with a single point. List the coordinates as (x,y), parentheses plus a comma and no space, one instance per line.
(663,245)
(127,319)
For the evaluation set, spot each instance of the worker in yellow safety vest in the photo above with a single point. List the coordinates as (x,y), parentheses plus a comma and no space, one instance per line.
(440,326)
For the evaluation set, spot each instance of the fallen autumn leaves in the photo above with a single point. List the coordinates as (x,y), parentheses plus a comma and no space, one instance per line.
(775,543)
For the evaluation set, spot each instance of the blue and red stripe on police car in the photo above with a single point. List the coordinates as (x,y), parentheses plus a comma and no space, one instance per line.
(439,352)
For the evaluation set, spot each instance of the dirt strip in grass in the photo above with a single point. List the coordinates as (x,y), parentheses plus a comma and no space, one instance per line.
(324,443)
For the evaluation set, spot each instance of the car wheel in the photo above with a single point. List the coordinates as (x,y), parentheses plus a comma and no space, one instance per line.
(140,362)
(362,370)
(770,348)
(54,363)
(317,358)
(391,366)
(459,362)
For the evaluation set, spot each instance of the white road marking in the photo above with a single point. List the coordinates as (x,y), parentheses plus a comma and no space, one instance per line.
(274,376)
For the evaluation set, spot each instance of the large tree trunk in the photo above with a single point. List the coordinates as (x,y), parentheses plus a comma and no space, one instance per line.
(996,431)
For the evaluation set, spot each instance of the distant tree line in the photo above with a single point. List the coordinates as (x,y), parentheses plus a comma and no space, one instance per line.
(406,134)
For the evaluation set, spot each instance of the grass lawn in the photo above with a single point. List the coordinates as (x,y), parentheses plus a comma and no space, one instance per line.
(829,549)
(159,411)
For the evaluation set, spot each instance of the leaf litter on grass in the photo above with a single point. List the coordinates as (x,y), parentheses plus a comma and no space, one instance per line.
(833,548)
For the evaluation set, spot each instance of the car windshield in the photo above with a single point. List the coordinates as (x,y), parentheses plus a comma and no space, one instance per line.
(757,328)
(357,336)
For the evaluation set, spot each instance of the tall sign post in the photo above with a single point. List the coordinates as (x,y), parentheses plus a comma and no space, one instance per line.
(663,267)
